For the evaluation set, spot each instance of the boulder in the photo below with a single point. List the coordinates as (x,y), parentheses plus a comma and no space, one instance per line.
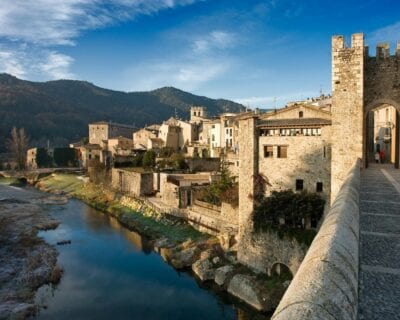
(184,258)
(222,273)
(204,269)
(244,287)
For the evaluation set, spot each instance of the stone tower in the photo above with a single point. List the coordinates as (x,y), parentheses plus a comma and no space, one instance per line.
(197,114)
(248,168)
(347,107)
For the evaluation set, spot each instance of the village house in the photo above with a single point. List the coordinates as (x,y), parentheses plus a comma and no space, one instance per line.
(102,130)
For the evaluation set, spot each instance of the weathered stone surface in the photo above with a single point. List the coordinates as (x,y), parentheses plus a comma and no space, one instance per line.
(243,287)
(204,269)
(326,284)
(184,258)
(222,273)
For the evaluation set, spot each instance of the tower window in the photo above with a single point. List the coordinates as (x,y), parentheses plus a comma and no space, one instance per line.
(301,114)
(299,184)
(320,187)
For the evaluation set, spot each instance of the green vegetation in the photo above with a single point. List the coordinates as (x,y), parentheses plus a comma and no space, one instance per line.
(146,222)
(65,157)
(225,188)
(175,161)
(48,110)
(149,159)
(289,214)
(43,159)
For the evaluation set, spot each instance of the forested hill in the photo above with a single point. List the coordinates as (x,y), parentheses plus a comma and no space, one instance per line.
(60,110)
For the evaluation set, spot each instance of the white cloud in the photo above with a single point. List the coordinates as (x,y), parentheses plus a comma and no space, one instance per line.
(389,33)
(214,40)
(10,63)
(53,22)
(187,75)
(29,27)
(57,65)
(24,62)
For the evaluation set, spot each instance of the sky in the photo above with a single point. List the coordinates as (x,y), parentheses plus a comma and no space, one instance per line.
(258,53)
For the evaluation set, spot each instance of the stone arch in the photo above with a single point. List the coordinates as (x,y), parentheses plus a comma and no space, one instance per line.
(281,270)
(367,110)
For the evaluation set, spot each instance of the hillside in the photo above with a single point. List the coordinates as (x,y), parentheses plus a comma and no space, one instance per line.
(60,110)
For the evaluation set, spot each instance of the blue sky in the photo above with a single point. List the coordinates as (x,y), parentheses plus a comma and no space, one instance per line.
(249,51)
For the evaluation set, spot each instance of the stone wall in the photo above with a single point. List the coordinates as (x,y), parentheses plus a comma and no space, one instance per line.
(262,250)
(203,164)
(326,284)
(134,183)
(308,158)
(214,219)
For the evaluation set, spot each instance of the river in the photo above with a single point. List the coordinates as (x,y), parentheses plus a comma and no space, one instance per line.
(112,273)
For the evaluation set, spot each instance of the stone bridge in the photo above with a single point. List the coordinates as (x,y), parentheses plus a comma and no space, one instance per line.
(35,173)
(352,269)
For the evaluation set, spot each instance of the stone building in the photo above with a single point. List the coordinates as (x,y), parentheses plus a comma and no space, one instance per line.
(142,136)
(198,114)
(100,131)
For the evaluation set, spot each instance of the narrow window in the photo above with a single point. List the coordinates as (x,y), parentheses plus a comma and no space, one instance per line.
(282,151)
(268,152)
(324,151)
(320,187)
(301,114)
(299,184)
(212,138)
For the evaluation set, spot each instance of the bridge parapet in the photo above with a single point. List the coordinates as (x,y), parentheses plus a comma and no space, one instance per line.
(326,284)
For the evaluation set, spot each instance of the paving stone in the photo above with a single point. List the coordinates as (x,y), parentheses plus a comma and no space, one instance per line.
(379,285)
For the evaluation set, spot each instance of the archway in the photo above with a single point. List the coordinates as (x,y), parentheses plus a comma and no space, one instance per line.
(381,132)
(281,270)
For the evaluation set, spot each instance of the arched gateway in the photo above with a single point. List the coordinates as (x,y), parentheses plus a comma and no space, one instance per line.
(360,84)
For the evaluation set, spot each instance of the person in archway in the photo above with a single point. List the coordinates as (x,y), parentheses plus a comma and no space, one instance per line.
(377,157)
(382,155)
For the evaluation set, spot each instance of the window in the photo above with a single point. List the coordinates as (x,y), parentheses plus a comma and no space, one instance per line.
(268,152)
(212,138)
(213,126)
(320,187)
(299,184)
(301,114)
(282,151)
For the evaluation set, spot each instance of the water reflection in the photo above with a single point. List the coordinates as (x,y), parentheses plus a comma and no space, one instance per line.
(111,272)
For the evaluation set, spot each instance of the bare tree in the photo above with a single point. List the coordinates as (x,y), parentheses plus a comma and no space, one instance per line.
(18,145)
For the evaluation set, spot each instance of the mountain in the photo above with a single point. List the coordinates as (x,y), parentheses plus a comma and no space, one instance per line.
(60,110)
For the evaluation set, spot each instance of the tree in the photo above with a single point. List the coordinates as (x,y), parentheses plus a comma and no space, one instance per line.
(149,159)
(18,145)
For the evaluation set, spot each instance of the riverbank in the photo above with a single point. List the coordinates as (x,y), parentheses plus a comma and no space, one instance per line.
(27,261)
(177,242)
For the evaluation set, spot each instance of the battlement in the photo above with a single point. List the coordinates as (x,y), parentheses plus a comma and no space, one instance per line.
(383,51)
(338,42)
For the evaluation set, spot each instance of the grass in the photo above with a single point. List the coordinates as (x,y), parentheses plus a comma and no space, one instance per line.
(104,200)
(8,181)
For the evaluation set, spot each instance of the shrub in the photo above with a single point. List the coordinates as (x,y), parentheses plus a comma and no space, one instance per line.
(294,209)
(149,159)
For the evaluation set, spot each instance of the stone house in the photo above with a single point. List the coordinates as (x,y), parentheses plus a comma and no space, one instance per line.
(141,137)
(133,181)
(176,189)
(99,131)
(31,155)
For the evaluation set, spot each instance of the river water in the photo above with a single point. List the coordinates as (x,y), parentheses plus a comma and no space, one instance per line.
(112,273)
